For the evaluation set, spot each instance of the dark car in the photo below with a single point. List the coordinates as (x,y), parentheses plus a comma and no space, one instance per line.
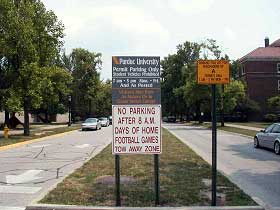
(269,138)
(171,119)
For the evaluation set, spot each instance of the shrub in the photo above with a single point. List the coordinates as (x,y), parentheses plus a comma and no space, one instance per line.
(270,117)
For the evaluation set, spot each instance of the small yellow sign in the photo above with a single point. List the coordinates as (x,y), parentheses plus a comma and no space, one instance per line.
(212,72)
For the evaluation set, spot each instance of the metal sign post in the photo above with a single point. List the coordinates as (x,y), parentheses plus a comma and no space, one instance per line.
(156,166)
(212,72)
(214,147)
(117,177)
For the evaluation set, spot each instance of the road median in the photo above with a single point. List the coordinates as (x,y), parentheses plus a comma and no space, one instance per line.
(185,180)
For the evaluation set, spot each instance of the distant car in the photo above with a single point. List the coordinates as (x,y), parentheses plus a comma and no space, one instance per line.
(269,138)
(91,124)
(171,119)
(104,121)
(110,120)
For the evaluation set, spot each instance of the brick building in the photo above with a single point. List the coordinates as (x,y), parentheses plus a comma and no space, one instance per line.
(260,69)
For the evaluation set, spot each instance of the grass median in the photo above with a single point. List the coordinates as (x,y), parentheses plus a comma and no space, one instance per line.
(185,180)
(35,134)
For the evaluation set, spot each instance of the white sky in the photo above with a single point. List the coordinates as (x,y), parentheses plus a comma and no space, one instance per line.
(156,27)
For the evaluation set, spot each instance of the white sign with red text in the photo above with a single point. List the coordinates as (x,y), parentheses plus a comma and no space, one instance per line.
(137,129)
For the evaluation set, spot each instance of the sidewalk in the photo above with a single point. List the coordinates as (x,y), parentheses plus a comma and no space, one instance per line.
(41,129)
(243,127)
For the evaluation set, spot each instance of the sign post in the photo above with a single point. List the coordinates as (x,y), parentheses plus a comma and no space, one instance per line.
(213,72)
(136,99)
(214,147)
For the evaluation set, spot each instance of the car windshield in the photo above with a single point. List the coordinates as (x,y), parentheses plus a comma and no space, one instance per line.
(103,118)
(90,120)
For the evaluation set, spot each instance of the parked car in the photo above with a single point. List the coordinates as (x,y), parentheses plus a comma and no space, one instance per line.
(171,119)
(104,121)
(269,138)
(110,120)
(91,124)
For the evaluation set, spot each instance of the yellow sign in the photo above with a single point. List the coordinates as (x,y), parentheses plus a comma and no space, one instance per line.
(212,72)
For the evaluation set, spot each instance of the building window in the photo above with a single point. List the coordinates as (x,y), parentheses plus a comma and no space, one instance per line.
(278,84)
(242,70)
(278,68)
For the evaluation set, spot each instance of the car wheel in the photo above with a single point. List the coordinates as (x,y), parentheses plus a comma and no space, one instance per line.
(277,148)
(256,142)
(83,129)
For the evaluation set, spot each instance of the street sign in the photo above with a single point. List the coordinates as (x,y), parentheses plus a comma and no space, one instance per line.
(213,72)
(136,103)
(137,129)
(136,99)
(135,80)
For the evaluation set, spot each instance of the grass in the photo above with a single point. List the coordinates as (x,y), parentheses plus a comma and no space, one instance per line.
(242,131)
(238,130)
(34,134)
(182,173)
(252,124)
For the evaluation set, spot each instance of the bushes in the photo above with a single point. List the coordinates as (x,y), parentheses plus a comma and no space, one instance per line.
(271,117)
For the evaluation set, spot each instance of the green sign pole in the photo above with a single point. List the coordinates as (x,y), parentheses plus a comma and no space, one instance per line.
(214,146)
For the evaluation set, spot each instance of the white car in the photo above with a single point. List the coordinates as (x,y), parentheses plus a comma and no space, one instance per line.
(269,138)
(104,121)
(91,124)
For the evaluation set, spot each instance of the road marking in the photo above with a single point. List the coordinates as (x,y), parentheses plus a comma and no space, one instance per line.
(82,146)
(24,177)
(41,145)
(18,189)
(11,208)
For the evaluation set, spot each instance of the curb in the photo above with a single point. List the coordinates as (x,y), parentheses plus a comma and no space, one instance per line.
(69,207)
(34,140)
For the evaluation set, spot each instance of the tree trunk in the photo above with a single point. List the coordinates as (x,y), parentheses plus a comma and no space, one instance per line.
(198,113)
(26,118)
(7,117)
(46,117)
(89,108)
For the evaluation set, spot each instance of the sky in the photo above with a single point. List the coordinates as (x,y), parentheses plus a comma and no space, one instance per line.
(156,27)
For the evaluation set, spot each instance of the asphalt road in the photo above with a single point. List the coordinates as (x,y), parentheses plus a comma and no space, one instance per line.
(28,172)
(256,171)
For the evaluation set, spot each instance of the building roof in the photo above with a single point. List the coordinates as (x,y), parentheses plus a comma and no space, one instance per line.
(272,52)
(276,43)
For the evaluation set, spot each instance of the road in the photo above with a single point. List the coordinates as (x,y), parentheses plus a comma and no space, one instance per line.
(256,171)
(28,172)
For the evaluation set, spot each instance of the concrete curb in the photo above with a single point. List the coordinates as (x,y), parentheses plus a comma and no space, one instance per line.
(35,140)
(68,207)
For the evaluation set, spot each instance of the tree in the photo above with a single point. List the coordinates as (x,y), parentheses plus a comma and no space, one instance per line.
(274,102)
(84,66)
(30,39)
(234,94)
(174,77)
(103,102)
(179,84)
(56,84)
